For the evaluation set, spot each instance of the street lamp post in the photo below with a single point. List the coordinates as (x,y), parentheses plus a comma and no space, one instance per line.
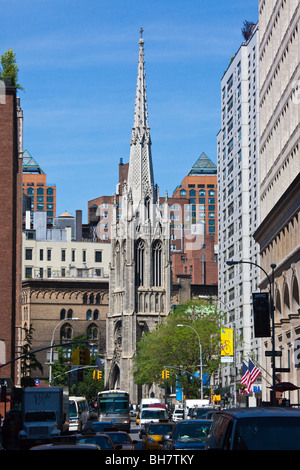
(271,311)
(51,350)
(201,365)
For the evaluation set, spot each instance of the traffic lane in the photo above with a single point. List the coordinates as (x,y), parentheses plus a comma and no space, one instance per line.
(134,434)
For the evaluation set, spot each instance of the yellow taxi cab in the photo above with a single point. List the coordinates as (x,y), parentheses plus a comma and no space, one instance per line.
(154,433)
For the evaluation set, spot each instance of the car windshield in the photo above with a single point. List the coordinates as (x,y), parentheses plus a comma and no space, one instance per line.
(185,432)
(154,414)
(159,429)
(272,433)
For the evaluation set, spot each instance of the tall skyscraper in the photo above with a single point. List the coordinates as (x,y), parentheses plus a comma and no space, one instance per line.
(278,233)
(238,194)
(140,275)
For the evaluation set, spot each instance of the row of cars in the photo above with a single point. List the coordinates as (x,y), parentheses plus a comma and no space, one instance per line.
(258,428)
(94,436)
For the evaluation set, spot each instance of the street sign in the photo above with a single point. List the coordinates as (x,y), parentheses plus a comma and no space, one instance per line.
(37,382)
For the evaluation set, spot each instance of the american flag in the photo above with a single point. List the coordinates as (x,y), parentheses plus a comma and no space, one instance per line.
(253,373)
(245,375)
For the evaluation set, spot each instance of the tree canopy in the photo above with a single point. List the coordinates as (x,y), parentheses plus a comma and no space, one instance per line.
(177,348)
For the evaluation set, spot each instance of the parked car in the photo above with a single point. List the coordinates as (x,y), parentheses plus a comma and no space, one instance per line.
(121,440)
(188,435)
(177,414)
(154,433)
(255,429)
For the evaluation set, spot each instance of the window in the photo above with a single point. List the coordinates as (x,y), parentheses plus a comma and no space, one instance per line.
(98,256)
(49,255)
(40,191)
(139,263)
(28,272)
(62,314)
(49,191)
(183,193)
(28,253)
(157,264)
(63,255)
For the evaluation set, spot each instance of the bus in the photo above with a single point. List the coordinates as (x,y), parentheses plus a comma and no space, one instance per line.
(113,406)
(78,413)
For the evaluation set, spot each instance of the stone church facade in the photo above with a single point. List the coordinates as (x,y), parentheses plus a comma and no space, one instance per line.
(140,271)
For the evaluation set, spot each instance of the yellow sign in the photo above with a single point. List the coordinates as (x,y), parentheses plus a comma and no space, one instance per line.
(226,342)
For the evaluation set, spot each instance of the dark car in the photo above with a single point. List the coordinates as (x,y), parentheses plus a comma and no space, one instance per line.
(199,413)
(97,426)
(122,440)
(255,429)
(188,435)
(100,439)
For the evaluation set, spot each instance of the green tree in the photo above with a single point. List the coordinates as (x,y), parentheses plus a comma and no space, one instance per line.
(9,67)
(169,345)
(29,362)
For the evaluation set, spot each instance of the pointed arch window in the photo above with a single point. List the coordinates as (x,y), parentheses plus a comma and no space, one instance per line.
(147,208)
(157,263)
(140,263)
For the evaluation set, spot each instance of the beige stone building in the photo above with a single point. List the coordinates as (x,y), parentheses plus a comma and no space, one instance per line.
(278,234)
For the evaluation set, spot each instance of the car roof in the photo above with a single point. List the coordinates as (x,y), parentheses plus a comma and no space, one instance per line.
(191,421)
(259,412)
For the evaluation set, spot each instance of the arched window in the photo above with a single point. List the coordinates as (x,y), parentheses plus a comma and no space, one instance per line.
(91,298)
(89,314)
(70,313)
(66,332)
(85,298)
(30,191)
(63,314)
(92,332)
(40,191)
(157,263)
(96,314)
(192,193)
(182,192)
(139,262)
(202,193)
(98,299)
(50,191)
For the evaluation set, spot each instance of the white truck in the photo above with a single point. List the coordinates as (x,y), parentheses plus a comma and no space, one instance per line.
(145,402)
(45,414)
(190,404)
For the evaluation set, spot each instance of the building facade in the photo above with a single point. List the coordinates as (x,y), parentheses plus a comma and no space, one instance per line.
(39,194)
(140,274)
(11,148)
(238,194)
(279,131)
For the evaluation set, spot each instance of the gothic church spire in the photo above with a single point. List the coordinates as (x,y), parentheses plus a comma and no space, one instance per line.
(140,174)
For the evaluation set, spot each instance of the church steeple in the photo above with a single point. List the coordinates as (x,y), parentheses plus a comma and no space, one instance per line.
(140,173)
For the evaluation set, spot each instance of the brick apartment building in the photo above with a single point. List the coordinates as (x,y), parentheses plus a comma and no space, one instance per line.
(40,195)
(11,120)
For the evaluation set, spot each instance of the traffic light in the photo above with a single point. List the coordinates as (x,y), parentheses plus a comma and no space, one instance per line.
(165,374)
(261,314)
(85,356)
(97,374)
(75,357)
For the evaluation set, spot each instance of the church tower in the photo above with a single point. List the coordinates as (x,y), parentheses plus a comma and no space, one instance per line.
(140,271)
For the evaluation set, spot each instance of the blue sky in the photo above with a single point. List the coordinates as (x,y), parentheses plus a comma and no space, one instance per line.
(78,65)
